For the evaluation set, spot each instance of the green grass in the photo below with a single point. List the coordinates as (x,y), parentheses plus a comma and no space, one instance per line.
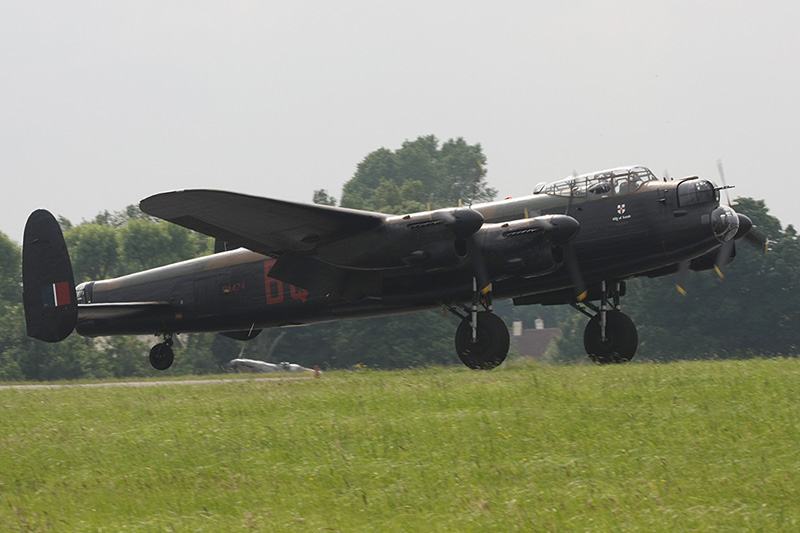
(684,446)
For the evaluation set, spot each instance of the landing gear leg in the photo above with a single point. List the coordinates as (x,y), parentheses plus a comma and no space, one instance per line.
(610,336)
(482,338)
(161,355)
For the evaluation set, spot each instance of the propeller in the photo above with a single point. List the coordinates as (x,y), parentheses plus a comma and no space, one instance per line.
(574,272)
(724,257)
(725,253)
(566,228)
(570,259)
(757,240)
(479,269)
(466,223)
(745,231)
(681,285)
(724,183)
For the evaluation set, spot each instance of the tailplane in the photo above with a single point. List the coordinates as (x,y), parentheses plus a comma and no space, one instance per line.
(51,307)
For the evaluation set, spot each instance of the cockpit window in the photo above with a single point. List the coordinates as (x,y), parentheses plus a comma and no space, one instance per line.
(692,192)
(600,184)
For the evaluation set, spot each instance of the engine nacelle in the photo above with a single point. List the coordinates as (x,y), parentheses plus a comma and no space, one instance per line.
(428,240)
(437,254)
(525,247)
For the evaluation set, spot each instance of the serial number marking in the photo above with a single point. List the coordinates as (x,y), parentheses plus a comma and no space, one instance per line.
(233,287)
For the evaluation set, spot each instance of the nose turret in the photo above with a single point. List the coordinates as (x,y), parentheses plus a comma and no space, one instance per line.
(724,223)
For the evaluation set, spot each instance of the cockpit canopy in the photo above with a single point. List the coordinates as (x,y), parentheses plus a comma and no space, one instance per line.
(612,182)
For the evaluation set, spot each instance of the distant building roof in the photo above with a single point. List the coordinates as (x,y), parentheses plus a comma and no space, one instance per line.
(534,342)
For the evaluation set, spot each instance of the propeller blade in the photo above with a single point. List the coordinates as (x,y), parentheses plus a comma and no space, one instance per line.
(681,285)
(562,229)
(723,258)
(758,240)
(753,237)
(478,266)
(574,272)
(724,183)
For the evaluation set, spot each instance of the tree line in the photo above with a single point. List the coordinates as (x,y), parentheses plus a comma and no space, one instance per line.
(750,312)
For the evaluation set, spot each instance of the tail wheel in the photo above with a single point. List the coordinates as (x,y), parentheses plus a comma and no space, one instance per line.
(161,356)
(491,343)
(620,343)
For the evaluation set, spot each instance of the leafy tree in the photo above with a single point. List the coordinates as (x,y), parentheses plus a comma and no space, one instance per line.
(147,244)
(93,250)
(322,197)
(126,356)
(419,173)
(73,358)
(11,335)
(569,346)
(120,218)
(10,273)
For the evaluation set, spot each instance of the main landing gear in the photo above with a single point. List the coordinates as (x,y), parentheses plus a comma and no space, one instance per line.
(161,355)
(610,336)
(482,338)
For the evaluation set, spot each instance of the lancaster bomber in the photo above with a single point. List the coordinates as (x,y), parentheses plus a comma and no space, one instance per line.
(276,263)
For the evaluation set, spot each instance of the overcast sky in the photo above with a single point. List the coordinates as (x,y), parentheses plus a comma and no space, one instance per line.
(105,103)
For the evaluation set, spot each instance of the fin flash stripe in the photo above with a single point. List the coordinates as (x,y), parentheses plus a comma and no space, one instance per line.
(56,295)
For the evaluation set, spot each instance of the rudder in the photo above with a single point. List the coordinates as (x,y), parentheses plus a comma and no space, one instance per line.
(48,294)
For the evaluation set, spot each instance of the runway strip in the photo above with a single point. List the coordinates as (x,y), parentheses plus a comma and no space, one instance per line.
(144,383)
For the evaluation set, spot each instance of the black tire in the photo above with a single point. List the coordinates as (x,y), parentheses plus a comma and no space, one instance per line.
(161,356)
(491,346)
(621,342)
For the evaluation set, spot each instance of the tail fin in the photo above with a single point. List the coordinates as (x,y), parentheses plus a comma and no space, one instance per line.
(51,306)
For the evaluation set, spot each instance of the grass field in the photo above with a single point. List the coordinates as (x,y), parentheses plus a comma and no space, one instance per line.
(677,447)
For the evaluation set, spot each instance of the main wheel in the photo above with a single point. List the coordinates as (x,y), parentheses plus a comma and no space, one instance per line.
(161,356)
(620,343)
(491,344)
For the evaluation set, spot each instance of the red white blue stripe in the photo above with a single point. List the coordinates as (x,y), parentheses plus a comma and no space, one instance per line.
(56,294)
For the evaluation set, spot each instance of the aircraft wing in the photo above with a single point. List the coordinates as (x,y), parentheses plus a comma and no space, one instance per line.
(261,224)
